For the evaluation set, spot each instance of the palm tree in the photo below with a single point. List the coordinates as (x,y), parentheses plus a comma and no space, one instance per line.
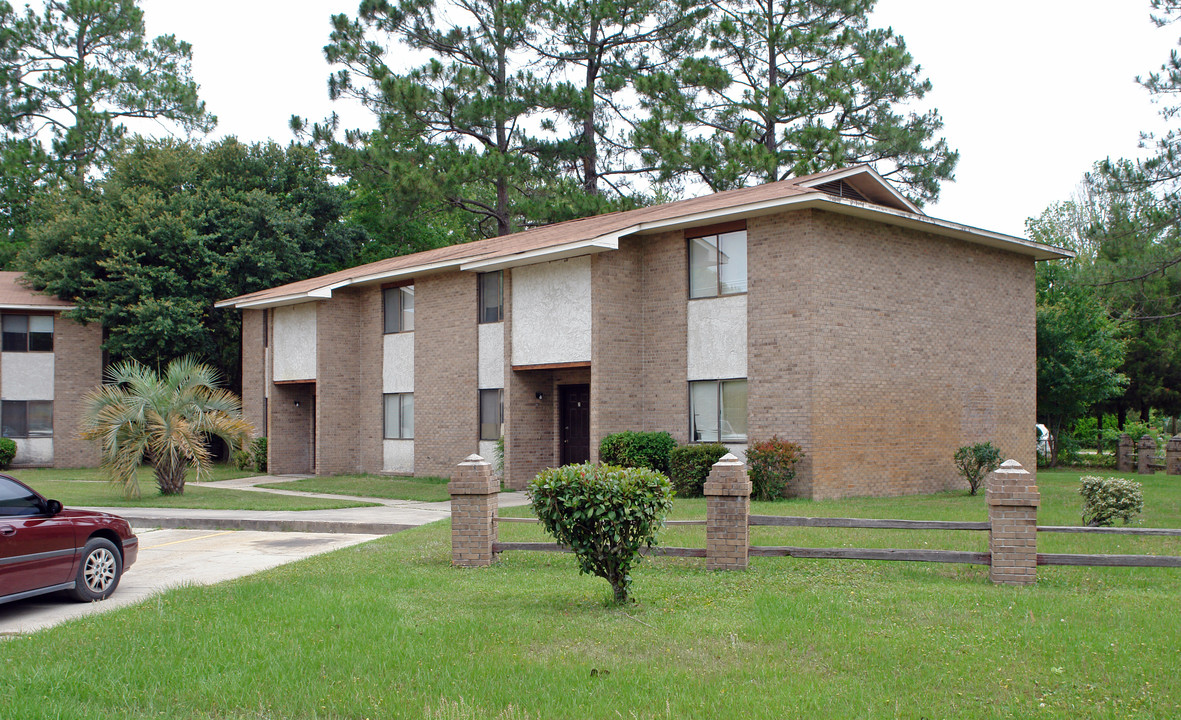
(141,416)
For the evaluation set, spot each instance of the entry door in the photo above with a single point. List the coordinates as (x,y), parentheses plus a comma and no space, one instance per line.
(575,419)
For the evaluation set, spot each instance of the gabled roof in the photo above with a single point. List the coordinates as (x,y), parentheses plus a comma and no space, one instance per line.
(602,233)
(15,296)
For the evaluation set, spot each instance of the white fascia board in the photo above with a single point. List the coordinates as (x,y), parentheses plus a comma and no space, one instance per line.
(599,244)
(324,292)
(845,206)
(865,170)
(38,308)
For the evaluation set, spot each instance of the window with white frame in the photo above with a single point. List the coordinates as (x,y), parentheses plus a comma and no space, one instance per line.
(491,414)
(27,333)
(717,264)
(398,304)
(491,297)
(718,410)
(399,416)
(26,418)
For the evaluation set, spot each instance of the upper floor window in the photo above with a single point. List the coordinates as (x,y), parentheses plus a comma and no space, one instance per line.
(26,418)
(491,296)
(399,308)
(717,264)
(27,333)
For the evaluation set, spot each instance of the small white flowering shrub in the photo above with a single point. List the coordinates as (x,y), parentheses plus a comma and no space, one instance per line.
(1105,499)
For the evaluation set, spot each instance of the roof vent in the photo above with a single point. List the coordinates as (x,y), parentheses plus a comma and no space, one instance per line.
(841,189)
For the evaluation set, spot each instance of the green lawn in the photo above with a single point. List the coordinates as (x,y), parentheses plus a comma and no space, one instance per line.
(88,488)
(389,630)
(424,489)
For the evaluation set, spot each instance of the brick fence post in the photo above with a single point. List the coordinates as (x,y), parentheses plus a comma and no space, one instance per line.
(1173,455)
(1013,499)
(1145,455)
(727,513)
(474,492)
(1123,456)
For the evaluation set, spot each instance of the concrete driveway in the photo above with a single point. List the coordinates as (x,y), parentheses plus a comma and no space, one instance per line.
(169,558)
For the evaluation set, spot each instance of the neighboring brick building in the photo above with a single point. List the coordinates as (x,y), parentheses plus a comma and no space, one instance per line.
(46,364)
(827,310)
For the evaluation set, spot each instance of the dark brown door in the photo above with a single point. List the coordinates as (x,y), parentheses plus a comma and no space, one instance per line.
(574,401)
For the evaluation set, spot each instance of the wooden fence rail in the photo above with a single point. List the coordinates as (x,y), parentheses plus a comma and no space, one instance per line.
(1012,499)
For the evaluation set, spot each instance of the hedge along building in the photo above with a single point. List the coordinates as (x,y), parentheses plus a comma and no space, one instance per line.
(47,363)
(827,310)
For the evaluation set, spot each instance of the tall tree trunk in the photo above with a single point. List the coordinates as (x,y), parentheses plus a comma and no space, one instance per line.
(590,170)
(769,140)
(504,224)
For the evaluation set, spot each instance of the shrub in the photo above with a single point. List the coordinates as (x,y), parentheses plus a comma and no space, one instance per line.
(604,513)
(1105,499)
(771,466)
(7,452)
(498,464)
(258,449)
(637,449)
(243,460)
(976,461)
(689,466)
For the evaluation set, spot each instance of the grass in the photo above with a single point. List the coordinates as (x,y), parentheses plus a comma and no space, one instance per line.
(423,489)
(88,488)
(389,630)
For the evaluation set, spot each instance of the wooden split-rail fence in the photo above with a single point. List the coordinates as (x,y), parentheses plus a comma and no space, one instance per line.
(1011,495)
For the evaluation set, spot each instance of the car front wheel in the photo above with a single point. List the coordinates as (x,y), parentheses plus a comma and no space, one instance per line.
(98,571)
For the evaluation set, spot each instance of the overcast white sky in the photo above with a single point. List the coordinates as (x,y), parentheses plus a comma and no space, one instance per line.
(1032,92)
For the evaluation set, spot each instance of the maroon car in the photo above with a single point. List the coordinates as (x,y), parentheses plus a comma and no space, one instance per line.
(44,548)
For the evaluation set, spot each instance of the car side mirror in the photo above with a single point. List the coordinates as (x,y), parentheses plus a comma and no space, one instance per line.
(53,507)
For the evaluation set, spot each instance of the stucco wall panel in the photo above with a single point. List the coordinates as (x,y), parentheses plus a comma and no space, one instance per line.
(398,363)
(552,312)
(491,366)
(398,457)
(27,376)
(717,338)
(33,451)
(295,342)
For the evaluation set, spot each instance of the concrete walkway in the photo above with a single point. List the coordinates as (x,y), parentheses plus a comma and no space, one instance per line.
(389,517)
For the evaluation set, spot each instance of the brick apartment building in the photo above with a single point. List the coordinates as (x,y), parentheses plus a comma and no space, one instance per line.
(46,364)
(827,310)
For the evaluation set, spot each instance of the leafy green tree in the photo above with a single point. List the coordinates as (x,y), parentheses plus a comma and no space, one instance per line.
(811,87)
(1079,352)
(176,227)
(140,416)
(597,54)
(457,121)
(80,70)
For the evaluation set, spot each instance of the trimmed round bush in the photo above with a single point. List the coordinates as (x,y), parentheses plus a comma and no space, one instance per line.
(689,467)
(605,514)
(7,452)
(637,449)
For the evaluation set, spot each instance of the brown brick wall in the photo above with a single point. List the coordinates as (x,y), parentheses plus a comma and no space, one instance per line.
(77,368)
(446,402)
(370,357)
(617,343)
(665,281)
(338,384)
(882,350)
(781,324)
(253,371)
(290,445)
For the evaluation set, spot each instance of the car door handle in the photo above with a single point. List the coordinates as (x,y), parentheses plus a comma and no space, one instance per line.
(7,530)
